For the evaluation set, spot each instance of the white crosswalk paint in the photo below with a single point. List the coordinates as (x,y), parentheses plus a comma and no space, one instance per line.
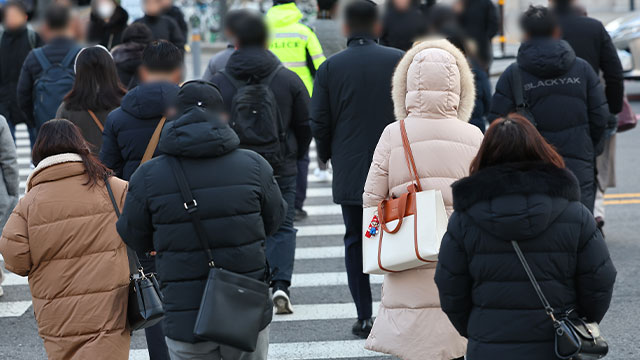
(320,350)
(319,192)
(326,279)
(320,230)
(322,312)
(322,252)
(11,279)
(13,308)
(313,210)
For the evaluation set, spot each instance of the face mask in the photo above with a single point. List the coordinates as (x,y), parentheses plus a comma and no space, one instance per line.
(105,9)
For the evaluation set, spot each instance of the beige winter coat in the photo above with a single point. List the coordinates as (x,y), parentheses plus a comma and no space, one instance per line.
(62,235)
(433,90)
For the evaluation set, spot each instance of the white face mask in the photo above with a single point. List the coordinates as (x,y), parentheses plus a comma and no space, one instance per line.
(105,9)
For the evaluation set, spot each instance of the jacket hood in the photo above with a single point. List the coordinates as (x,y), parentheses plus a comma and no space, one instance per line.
(516,201)
(546,58)
(197,133)
(433,80)
(149,101)
(53,172)
(251,62)
(284,14)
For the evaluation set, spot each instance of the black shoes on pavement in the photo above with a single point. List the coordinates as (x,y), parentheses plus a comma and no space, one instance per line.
(300,215)
(362,328)
(281,299)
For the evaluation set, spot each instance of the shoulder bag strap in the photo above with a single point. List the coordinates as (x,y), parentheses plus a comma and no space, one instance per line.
(134,262)
(516,85)
(191,206)
(269,79)
(534,282)
(153,142)
(70,57)
(235,82)
(408,154)
(96,120)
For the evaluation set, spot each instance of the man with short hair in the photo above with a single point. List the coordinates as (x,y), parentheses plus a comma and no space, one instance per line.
(162,26)
(128,131)
(16,41)
(563,94)
(253,64)
(219,60)
(350,108)
(60,50)
(327,28)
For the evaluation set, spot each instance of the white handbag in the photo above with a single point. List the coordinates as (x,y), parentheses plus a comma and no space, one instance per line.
(404,233)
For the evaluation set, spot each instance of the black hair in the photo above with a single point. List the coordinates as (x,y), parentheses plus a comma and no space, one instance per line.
(538,22)
(251,31)
(137,32)
(233,18)
(97,86)
(162,56)
(361,15)
(15,4)
(327,4)
(57,17)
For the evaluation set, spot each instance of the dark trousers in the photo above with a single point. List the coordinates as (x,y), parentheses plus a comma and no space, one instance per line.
(156,342)
(301,182)
(33,133)
(281,246)
(358,281)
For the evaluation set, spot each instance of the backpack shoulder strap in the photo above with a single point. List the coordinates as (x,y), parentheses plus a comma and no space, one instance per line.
(42,59)
(516,86)
(96,120)
(70,57)
(235,82)
(31,36)
(153,142)
(269,79)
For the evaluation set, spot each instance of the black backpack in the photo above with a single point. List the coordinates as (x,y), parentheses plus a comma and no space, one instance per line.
(522,106)
(256,118)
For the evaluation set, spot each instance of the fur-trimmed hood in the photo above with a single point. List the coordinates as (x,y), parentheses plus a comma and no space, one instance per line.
(433,80)
(34,177)
(516,201)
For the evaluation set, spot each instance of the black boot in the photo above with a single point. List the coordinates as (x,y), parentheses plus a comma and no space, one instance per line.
(362,328)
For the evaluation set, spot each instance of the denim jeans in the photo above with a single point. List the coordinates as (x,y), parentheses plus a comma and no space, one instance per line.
(301,182)
(281,247)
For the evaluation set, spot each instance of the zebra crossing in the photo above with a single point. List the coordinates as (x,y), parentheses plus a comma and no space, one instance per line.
(320,327)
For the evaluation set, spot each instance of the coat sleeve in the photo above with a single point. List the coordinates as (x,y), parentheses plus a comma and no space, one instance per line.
(493,22)
(321,117)
(300,115)
(612,73)
(599,116)
(25,89)
(9,160)
(502,102)
(595,273)
(376,188)
(274,208)
(110,154)
(135,226)
(314,49)
(176,35)
(14,243)
(453,278)
(210,70)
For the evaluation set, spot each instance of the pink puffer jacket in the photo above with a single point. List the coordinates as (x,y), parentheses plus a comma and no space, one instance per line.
(433,90)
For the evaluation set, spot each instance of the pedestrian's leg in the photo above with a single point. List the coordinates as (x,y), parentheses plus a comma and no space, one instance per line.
(33,135)
(359,284)
(301,186)
(156,343)
(12,128)
(281,249)
(199,351)
(261,352)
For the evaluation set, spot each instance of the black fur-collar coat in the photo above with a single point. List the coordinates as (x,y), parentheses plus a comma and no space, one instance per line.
(483,287)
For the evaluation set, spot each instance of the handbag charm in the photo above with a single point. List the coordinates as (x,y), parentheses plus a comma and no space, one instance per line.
(374,226)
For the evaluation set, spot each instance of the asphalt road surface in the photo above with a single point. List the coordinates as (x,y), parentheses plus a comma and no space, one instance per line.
(320,326)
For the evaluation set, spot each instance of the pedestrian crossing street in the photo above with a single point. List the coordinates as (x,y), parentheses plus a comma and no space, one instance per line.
(320,327)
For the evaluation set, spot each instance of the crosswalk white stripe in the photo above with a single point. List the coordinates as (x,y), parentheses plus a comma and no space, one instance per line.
(11,279)
(326,279)
(320,192)
(322,312)
(139,354)
(22,142)
(13,308)
(320,350)
(321,252)
(314,210)
(320,230)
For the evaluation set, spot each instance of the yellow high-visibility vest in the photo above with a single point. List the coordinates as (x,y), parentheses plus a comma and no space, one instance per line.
(291,41)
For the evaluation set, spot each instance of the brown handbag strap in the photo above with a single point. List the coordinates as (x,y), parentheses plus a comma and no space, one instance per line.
(408,154)
(96,120)
(401,212)
(153,142)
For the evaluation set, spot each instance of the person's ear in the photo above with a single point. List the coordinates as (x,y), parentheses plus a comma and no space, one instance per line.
(557,33)
(176,77)
(377,29)
(143,74)
(345,30)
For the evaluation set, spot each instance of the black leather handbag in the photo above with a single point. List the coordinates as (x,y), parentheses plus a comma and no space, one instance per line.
(575,338)
(145,299)
(232,306)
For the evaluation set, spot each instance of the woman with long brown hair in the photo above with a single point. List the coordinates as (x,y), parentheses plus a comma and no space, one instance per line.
(62,235)
(519,190)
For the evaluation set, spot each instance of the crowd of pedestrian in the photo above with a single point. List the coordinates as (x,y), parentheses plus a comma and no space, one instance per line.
(193,188)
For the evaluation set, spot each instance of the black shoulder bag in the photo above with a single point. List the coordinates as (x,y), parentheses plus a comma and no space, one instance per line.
(575,338)
(522,107)
(232,306)
(145,299)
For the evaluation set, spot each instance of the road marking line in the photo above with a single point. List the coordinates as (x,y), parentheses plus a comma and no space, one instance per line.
(13,308)
(317,210)
(320,192)
(322,312)
(11,279)
(321,252)
(621,196)
(320,350)
(320,230)
(326,279)
(622,202)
